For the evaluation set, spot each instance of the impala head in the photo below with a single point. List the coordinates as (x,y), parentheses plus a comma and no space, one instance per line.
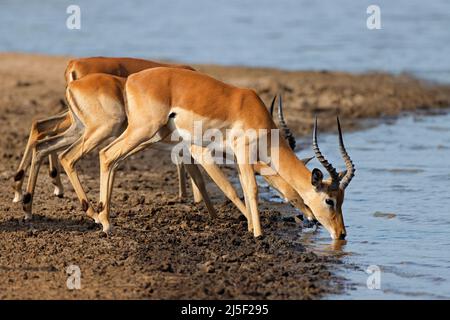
(327,195)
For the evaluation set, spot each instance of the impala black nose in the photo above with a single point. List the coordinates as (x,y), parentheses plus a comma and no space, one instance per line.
(342,236)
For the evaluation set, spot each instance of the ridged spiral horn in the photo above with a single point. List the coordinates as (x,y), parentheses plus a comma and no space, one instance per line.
(328,166)
(350,172)
(286,132)
(272,105)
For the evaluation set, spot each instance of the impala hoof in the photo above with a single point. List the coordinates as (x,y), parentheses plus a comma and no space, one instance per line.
(106,225)
(95,217)
(59,192)
(106,232)
(17,197)
(107,229)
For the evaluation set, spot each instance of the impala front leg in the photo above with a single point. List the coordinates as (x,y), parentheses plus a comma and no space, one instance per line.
(198,181)
(247,206)
(196,192)
(182,185)
(181,181)
(243,151)
(251,195)
(204,158)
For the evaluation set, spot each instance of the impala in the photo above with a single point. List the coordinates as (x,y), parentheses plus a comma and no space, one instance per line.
(162,100)
(40,129)
(57,124)
(61,122)
(78,69)
(97,112)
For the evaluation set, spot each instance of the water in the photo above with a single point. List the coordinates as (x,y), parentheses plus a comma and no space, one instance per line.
(396,210)
(290,34)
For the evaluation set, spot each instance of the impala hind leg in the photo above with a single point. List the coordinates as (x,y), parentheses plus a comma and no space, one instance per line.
(69,158)
(198,181)
(54,173)
(162,132)
(121,148)
(39,130)
(42,149)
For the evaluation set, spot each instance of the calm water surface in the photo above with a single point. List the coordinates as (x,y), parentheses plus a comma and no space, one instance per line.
(397,209)
(290,34)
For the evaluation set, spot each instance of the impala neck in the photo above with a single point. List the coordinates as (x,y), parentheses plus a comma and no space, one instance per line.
(293,171)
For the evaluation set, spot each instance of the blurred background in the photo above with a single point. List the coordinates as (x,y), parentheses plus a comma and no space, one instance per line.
(289,34)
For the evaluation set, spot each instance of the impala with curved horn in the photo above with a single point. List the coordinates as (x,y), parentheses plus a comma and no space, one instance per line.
(162,100)
(332,190)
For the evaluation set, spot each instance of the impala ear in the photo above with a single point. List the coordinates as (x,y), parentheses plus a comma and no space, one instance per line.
(272,105)
(342,174)
(316,177)
(306,160)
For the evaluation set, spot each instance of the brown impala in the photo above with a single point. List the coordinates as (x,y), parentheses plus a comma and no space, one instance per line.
(162,100)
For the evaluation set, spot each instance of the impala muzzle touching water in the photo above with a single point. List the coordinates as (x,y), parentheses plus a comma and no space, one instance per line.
(326,204)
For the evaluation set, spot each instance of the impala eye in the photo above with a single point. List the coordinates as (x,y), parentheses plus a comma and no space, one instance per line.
(329,202)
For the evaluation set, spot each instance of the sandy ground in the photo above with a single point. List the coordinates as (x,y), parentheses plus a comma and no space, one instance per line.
(163,247)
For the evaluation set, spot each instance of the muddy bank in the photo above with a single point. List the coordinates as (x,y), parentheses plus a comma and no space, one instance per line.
(163,247)
(325,94)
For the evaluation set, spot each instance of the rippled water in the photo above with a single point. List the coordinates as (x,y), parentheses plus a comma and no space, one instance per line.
(291,34)
(397,209)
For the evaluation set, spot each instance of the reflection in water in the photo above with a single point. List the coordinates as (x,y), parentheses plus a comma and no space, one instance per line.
(325,246)
(336,245)
(396,211)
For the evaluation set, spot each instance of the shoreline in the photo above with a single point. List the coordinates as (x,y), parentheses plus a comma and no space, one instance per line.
(165,248)
(353,96)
